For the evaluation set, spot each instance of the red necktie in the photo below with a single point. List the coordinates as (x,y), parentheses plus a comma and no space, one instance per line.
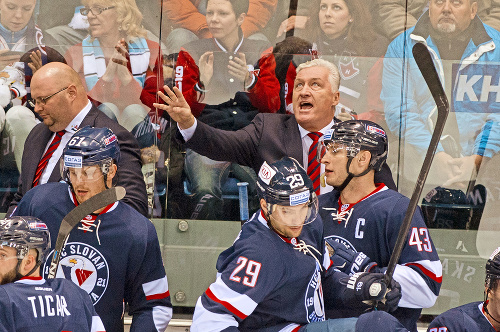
(313,166)
(45,159)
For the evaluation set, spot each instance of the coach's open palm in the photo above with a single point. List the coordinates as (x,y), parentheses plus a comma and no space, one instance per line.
(176,106)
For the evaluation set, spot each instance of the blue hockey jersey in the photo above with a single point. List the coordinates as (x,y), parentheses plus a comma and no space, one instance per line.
(33,304)
(469,317)
(265,280)
(372,226)
(115,257)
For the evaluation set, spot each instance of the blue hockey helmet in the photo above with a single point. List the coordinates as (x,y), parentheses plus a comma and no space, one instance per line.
(90,146)
(23,234)
(357,135)
(286,183)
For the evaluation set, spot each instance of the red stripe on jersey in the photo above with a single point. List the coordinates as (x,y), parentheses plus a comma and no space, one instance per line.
(426,272)
(296,329)
(158,296)
(226,305)
(31,278)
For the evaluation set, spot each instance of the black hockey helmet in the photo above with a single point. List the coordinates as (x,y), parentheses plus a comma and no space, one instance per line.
(493,269)
(23,234)
(286,183)
(90,146)
(357,135)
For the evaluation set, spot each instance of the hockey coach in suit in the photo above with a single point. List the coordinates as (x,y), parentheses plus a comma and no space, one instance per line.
(60,99)
(271,137)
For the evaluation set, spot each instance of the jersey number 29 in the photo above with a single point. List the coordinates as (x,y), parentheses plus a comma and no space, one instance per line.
(252,271)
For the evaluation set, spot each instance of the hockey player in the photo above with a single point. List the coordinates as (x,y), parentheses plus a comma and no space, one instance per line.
(366,216)
(114,252)
(271,277)
(476,316)
(28,302)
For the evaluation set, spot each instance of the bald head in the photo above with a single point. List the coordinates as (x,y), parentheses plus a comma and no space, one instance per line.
(65,91)
(57,72)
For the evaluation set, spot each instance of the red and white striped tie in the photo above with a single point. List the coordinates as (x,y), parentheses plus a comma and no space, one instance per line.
(313,166)
(45,159)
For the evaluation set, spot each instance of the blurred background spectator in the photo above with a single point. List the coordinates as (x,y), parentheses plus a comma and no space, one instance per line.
(342,31)
(226,80)
(188,20)
(394,16)
(120,67)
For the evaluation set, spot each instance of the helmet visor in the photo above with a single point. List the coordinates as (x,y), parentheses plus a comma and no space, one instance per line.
(334,148)
(294,216)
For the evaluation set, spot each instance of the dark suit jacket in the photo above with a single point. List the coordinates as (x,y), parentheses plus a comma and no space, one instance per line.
(129,167)
(269,137)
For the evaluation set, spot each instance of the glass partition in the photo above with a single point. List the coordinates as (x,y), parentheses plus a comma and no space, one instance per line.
(232,63)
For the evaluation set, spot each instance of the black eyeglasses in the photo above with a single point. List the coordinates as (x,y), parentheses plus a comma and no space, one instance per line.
(43,100)
(95,10)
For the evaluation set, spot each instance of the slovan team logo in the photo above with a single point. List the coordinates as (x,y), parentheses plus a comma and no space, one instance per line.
(314,298)
(85,266)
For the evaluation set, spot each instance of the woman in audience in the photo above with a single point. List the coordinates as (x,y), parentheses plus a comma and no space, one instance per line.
(121,69)
(342,32)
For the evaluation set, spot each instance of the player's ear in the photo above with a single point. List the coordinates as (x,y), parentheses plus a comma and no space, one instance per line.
(112,171)
(263,206)
(29,262)
(111,174)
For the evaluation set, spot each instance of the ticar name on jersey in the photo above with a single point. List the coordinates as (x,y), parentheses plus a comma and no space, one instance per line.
(48,306)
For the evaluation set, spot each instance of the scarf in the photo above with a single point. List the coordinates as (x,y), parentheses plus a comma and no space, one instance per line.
(94,64)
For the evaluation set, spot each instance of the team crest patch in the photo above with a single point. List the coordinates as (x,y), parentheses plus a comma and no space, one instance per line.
(314,298)
(266,173)
(85,266)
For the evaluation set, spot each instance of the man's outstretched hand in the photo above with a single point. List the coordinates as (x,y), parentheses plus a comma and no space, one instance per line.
(176,106)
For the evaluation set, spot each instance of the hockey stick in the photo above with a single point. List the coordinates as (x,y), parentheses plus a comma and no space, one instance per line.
(426,66)
(94,203)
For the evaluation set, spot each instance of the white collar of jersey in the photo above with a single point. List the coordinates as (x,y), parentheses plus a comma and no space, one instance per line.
(31,281)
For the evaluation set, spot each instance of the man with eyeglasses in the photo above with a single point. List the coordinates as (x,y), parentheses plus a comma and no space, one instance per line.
(59,98)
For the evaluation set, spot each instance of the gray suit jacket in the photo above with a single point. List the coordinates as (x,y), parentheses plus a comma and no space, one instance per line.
(269,137)
(129,167)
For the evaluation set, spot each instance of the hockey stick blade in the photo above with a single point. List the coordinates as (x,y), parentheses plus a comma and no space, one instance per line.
(426,66)
(94,203)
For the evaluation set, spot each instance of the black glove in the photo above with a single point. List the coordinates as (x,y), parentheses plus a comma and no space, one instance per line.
(371,289)
(348,260)
(392,297)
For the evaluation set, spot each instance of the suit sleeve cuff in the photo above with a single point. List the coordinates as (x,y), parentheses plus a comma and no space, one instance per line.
(189,132)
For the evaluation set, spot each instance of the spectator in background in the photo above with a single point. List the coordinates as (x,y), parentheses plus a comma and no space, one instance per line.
(343,29)
(452,32)
(60,99)
(188,18)
(218,79)
(120,68)
(392,14)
